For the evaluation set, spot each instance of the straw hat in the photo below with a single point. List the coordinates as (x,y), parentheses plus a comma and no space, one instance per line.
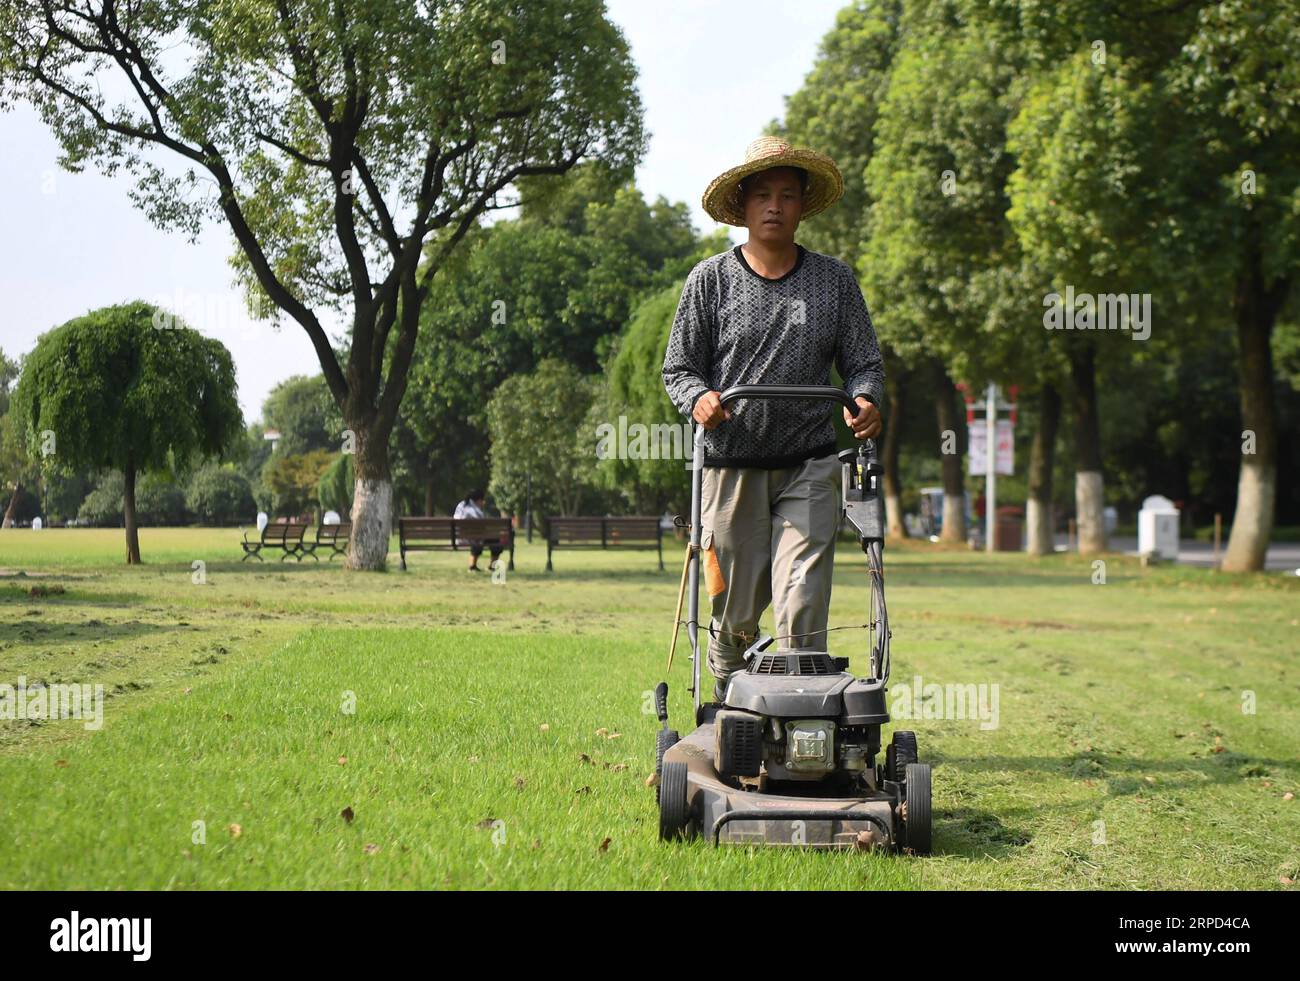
(825,185)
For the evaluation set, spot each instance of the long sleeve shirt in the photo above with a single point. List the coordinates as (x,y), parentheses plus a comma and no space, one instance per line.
(735,327)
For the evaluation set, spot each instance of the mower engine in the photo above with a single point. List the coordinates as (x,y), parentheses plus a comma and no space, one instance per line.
(798,715)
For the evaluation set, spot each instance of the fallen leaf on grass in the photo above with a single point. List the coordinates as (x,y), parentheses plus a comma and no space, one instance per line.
(604,845)
(235,830)
(583,790)
(343,761)
(584,758)
(520,782)
(652,780)
(60,763)
(486,823)
(544,727)
(1288,796)
(370,848)
(347,815)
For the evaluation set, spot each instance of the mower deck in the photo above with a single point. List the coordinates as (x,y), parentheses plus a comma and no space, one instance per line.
(725,815)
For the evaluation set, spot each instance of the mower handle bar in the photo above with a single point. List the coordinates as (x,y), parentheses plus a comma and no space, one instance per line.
(826,392)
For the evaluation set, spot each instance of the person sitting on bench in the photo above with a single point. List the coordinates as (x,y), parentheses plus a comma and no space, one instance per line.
(472,507)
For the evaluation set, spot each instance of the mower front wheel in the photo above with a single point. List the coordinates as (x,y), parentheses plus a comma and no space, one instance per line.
(916,809)
(674,815)
(665,739)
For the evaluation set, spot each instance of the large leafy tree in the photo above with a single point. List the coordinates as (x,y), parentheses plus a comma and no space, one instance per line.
(545,446)
(1238,79)
(301,410)
(837,111)
(112,390)
(560,282)
(939,249)
(349,145)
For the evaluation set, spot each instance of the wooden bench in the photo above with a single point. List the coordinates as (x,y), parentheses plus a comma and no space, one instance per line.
(427,534)
(284,535)
(334,537)
(592,532)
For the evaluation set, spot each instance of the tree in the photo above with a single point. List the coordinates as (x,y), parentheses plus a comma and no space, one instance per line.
(220,495)
(112,390)
(939,246)
(295,480)
(837,111)
(560,282)
(1238,79)
(14,464)
(537,426)
(303,412)
(349,145)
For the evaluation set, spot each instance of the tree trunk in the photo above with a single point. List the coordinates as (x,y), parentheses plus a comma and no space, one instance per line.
(1089,485)
(13,506)
(889,454)
(1255,307)
(1039,521)
(128,514)
(372,500)
(954,488)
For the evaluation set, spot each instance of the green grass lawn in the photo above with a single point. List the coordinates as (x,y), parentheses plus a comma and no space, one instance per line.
(432,729)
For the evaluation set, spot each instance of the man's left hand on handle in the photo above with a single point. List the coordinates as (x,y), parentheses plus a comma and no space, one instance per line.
(865,425)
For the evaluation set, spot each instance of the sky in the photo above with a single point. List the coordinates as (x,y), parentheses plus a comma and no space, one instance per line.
(712,73)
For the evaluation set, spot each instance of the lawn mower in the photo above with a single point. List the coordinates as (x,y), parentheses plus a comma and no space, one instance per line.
(789,756)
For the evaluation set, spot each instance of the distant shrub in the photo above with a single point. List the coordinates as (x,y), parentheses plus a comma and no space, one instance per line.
(158,501)
(220,496)
(102,507)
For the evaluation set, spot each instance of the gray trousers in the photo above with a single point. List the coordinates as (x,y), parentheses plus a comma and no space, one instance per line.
(768,536)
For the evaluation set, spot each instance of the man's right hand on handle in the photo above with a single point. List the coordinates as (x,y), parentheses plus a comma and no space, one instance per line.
(708,411)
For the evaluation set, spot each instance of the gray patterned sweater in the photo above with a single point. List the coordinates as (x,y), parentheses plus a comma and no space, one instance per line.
(735,327)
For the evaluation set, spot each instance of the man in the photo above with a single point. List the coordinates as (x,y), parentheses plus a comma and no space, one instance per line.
(770,312)
(473,507)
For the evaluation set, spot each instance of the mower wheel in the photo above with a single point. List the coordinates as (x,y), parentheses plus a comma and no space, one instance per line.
(900,753)
(916,825)
(665,739)
(674,818)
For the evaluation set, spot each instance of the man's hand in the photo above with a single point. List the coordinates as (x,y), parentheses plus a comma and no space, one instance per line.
(708,411)
(865,425)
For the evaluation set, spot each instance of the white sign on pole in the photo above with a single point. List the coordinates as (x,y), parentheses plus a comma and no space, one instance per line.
(1006,437)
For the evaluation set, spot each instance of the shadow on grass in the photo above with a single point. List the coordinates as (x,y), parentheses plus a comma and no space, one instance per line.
(44,598)
(43,630)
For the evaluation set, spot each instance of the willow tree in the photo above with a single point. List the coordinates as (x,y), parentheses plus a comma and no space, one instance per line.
(348,144)
(112,390)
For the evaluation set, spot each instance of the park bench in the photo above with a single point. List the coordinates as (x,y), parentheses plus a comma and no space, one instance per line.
(334,537)
(427,534)
(607,532)
(284,535)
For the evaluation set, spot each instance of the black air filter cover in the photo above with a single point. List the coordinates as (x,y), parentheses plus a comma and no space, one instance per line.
(795,662)
(740,743)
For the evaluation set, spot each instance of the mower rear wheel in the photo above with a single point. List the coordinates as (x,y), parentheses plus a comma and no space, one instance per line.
(665,739)
(916,823)
(899,754)
(674,817)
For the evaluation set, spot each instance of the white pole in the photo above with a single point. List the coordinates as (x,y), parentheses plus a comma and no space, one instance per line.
(990,461)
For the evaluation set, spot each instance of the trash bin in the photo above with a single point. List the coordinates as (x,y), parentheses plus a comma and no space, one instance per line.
(1009,530)
(1158,528)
